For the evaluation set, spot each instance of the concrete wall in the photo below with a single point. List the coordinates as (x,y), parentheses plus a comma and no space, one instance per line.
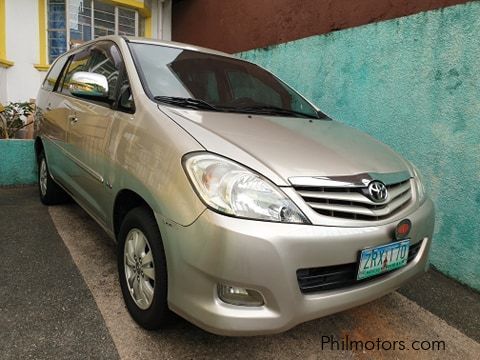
(22,79)
(17,162)
(413,83)
(233,26)
(3,86)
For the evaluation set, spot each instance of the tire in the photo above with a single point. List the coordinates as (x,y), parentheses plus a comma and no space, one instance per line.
(146,295)
(50,192)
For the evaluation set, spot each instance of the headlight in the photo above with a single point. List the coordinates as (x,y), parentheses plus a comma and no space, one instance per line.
(232,189)
(419,182)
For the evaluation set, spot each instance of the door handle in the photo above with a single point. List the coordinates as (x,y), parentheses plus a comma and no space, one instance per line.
(73,119)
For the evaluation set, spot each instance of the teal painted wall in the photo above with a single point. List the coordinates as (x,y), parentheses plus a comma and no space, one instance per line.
(413,83)
(17,162)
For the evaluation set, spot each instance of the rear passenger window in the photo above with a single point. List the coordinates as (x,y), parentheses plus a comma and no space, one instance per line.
(53,74)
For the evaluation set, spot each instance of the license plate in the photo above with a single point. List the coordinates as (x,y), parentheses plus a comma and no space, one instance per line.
(384,258)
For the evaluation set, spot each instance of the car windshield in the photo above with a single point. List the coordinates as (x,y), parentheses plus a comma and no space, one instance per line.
(212,82)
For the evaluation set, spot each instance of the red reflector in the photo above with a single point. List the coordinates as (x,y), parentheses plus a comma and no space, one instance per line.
(403,228)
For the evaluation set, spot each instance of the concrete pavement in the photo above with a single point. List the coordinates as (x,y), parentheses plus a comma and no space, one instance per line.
(46,309)
(433,308)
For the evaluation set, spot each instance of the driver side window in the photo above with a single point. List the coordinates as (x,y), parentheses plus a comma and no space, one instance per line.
(78,63)
(102,58)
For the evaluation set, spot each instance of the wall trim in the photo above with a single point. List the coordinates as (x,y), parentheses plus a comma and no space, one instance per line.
(136,4)
(4,63)
(3,38)
(42,37)
(148,27)
(42,67)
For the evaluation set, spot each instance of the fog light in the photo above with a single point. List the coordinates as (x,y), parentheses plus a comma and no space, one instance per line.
(239,296)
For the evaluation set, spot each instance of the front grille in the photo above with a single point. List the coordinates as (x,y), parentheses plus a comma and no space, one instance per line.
(353,203)
(338,276)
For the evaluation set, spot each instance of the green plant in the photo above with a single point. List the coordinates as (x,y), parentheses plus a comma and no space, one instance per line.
(14,117)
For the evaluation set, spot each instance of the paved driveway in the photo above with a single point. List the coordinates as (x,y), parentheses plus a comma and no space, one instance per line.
(60,299)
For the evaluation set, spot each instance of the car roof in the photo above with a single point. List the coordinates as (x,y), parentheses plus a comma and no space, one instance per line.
(140,40)
(175,45)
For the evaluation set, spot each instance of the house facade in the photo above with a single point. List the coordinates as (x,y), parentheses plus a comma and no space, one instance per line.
(34,32)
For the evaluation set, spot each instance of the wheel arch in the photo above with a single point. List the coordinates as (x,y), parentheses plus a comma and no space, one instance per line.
(38,145)
(125,201)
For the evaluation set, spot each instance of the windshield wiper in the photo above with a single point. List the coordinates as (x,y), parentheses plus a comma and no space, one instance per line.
(190,103)
(274,110)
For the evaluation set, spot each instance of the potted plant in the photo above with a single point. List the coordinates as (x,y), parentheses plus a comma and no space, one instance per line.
(17,157)
(14,118)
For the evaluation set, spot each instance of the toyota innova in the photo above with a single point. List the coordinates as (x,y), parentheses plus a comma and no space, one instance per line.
(234,201)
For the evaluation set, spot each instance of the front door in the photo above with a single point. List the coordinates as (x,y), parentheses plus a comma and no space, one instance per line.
(89,126)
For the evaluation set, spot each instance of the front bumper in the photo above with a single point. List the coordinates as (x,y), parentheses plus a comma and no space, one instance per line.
(265,256)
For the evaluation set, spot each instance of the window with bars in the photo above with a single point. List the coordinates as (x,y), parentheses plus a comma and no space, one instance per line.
(57,37)
(76,21)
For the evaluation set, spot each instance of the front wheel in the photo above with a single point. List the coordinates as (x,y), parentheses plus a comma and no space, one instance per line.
(142,269)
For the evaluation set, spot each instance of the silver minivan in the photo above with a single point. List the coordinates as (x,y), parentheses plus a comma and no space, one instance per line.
(234,201)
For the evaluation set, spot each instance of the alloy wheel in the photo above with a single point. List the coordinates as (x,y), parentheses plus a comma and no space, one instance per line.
(43,177)
(139,268)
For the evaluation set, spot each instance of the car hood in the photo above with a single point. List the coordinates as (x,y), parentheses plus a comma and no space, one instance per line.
(284,147)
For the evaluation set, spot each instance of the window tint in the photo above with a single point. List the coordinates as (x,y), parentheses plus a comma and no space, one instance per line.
(226,83)
(78,63)
(103,59)
(54,73)
(246,86)
(125,101)
(202,84)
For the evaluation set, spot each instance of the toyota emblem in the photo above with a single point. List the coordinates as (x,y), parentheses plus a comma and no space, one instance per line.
(378,191)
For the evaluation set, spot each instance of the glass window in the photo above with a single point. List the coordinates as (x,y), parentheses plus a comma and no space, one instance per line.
(104,59)
(126,22)
(78,63)
(104,19)
(226,83)
(57,34)
(80,21)
(243,85)
(54,73)
(87,19)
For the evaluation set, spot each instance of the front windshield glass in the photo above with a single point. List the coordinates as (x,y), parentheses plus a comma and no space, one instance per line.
(222,83)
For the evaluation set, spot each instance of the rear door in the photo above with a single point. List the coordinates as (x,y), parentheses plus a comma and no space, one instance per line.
(89,126)
(53,119)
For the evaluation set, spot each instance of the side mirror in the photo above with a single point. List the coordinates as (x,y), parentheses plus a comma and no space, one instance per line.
(88,85)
